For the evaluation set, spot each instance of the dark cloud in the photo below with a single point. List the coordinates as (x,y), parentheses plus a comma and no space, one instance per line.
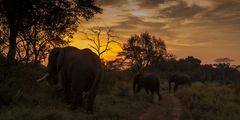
(150,3)
(112,2)
(226,12)
(134,22)
(181,10)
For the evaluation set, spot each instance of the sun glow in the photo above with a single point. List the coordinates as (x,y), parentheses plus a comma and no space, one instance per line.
(80,42)
(189,27)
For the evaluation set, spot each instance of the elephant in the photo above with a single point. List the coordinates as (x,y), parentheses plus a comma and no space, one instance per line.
(148,81)
(179,79)
(80,72)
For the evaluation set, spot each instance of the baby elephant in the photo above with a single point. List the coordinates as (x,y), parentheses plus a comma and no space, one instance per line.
(148,81)
(179,79)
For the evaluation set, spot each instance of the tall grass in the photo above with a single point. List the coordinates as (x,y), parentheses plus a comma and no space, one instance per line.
(213,101)
(22,98)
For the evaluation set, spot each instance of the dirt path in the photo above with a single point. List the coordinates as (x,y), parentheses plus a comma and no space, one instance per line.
(169,108)
(150,113)
(177,109)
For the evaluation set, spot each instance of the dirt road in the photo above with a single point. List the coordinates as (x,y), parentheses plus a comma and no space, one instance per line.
(169,108)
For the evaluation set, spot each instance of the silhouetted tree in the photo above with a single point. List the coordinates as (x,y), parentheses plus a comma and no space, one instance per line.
(224,61)
(34,44)
(101,39)
(55,16)
(117,64)
(144,50)
(193,61)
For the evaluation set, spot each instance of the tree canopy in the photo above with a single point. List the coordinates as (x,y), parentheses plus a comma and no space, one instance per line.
(54,19)
(144,50)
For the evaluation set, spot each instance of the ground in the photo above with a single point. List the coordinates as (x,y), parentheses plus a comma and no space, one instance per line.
(155,111)
(22,98)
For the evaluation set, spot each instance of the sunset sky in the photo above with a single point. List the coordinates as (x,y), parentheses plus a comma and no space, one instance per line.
(206,29)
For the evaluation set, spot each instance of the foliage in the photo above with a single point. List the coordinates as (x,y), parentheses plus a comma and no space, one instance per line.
(26,22)
(144,50)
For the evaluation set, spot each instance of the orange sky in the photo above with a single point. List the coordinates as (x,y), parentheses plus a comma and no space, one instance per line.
(206,29)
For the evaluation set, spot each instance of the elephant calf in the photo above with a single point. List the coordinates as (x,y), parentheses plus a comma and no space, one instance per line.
(148,81)
(179,79)
(80,72)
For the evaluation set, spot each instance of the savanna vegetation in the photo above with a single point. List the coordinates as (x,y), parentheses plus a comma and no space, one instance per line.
(23,98)
(30,29)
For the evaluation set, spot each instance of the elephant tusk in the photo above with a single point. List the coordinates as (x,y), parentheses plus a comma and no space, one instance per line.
(44,77)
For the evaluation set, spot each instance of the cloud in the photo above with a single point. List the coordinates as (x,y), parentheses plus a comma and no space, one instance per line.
(205,25)
(150,3)
(111,2)
(181,10)
(200,3)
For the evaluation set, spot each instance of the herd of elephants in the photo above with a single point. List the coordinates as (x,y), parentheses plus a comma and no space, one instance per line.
(80,72)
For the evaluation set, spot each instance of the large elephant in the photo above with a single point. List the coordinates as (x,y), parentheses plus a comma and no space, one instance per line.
(148,81)
(80,72)
(179,79)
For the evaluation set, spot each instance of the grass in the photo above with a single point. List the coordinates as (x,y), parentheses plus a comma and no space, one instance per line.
(213,101)
(22,98)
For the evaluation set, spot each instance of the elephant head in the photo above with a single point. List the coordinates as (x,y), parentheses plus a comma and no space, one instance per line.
(55,62)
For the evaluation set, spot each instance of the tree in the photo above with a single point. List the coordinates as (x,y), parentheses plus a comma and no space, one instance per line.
(101,39)
(193,61)
(34,44)
(54,16)
(225,61)
(144,50)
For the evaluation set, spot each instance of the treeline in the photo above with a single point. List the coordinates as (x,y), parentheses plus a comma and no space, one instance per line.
(145,52)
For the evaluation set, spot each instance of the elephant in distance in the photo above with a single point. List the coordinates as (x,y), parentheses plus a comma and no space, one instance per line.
(148,81)
(179,79)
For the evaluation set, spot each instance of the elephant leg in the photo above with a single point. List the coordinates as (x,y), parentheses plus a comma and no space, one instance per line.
(159,95)
(152,93)
(74,100)
(80,101)
(138,88)
(90,102)
(170,87)
(77,90)
(66,89)
(76,96)
(175,87)
(146,90)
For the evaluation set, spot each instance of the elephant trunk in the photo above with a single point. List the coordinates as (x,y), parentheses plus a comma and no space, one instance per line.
(44,77)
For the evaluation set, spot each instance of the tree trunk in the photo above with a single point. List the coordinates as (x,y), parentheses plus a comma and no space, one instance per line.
(12,45)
